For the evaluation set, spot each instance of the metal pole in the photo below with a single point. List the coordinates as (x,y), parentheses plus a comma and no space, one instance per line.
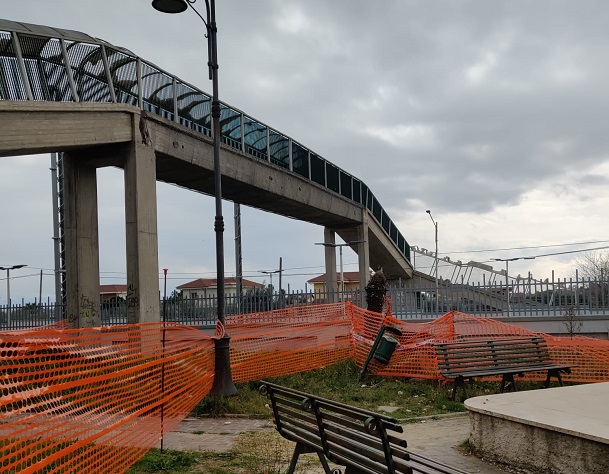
(163,357)
(280,276)
(223,381)
(238,256)
(342,276)
(436,258)
(8,291)
(507,282)
(271,292)
(56,233)
(437,287)
(8,298)
(40,290)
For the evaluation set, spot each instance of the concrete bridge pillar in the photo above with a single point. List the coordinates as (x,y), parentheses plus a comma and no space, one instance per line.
(82,242)
(363,254)
(142,238)
(330,257)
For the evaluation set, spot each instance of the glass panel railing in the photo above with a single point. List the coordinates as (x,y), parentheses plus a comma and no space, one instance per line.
(393,232)
(46,72)
(88,72)
(346,185)
(279,149)
(377,210)
(365,197)
(11,83)
(254,138)
(157,91)
(194,109)
(332,177)
(123,70)
(300,160)
(357,190)
(230,127)
(318,169)
(385,222)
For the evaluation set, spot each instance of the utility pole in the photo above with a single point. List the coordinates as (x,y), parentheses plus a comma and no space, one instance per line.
(435,224)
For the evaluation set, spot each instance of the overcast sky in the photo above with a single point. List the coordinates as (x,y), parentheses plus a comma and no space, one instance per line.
(493,115)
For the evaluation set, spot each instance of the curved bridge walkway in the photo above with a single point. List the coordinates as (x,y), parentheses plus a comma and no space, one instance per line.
(102,105)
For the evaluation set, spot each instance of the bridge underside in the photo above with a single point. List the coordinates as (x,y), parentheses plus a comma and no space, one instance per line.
(151,148)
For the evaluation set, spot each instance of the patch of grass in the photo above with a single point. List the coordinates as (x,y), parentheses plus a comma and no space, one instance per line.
(168,461)
(248,402)
(253,453)
(411,397)
(465,448)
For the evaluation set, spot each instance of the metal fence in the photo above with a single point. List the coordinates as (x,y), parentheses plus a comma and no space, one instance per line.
(518,298)
(521,298)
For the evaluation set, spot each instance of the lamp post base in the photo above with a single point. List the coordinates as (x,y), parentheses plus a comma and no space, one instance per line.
(223,379)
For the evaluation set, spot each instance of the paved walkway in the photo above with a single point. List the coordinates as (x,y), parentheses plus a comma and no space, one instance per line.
(434,437)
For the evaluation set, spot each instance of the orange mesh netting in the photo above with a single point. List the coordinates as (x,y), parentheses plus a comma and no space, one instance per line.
(288,341)
(95,400)
(415,355)
(91,400)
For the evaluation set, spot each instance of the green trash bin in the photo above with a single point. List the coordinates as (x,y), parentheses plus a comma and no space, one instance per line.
(386,348)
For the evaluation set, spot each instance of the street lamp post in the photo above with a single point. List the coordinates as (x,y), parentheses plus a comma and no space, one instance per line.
(340,252)
(270,273)
(223,382)
(435,224)
(8,291)
(507,273)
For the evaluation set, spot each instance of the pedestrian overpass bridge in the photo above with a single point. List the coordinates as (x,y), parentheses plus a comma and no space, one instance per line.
(102,105)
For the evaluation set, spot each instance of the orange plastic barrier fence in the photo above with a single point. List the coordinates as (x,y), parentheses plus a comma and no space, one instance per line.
(95,400)
(288,341)
(415,355)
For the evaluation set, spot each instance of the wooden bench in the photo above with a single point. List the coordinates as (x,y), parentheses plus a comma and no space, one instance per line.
(362,441)
(505,357)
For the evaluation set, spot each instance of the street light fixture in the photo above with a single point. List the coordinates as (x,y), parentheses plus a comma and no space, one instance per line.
(223,382)
(270,273)
(340,247)
(8,291)
(435,224)
(507,273)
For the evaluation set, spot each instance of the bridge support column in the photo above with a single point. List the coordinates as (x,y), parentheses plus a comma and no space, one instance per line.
(141,235)
(82,242)
(330,257)
(363,254)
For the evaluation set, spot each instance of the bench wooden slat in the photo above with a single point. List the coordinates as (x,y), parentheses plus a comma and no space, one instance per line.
(342,449)
(339,437)
(362,440)
(429,466)
(511,370)
(505,357)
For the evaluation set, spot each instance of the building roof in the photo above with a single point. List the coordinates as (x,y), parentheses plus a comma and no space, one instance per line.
(105,289)
(201,283)
(347,277)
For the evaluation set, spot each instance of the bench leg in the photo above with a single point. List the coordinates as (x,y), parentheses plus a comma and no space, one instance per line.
(302,449)
(508,381)
(324,464)
(553,373)
(458,383)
